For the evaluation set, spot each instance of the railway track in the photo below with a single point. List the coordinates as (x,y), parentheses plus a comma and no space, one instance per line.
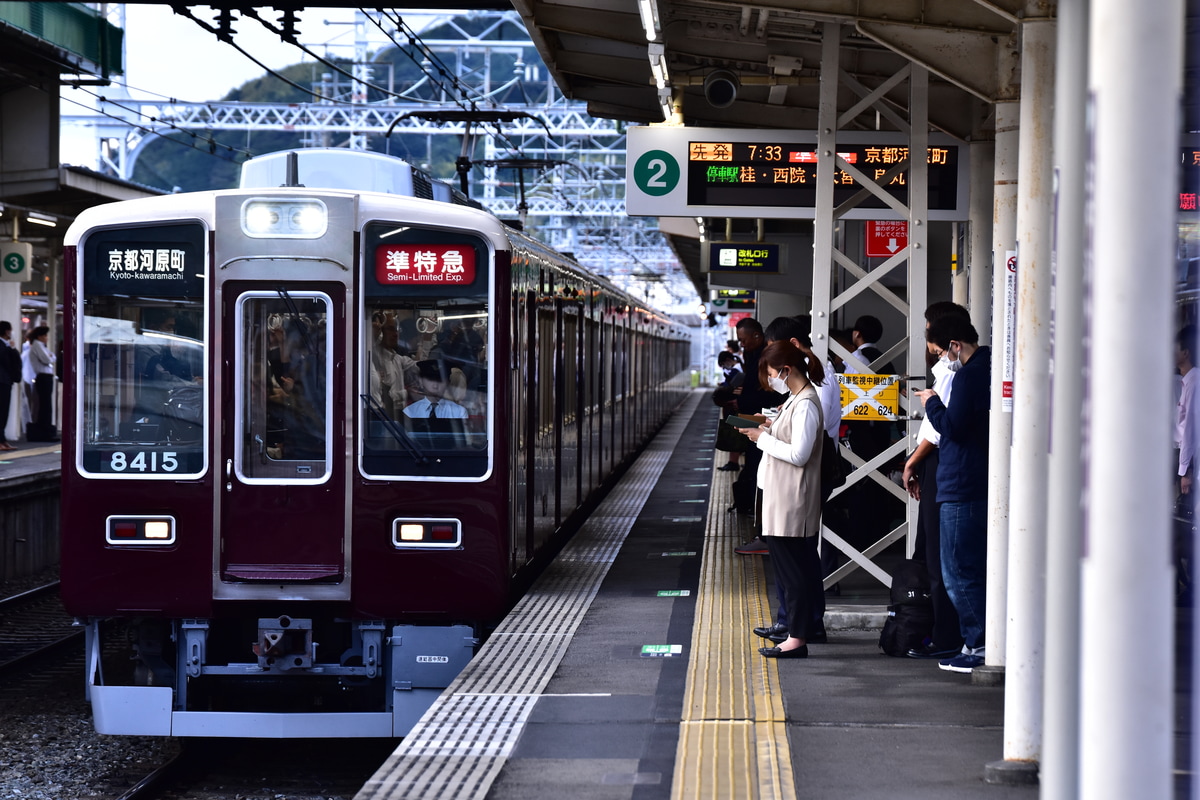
(32,624)
(224,769)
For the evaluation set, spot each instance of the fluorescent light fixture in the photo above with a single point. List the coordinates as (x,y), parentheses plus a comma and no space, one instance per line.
(666,100)
(41,219)
(660,74)
(481,315)
(658,64)
(649,11)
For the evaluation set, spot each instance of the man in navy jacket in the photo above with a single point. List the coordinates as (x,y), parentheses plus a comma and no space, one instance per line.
(962,481)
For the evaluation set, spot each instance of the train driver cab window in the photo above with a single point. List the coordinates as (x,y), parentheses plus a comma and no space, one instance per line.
(424,382)
(142,365)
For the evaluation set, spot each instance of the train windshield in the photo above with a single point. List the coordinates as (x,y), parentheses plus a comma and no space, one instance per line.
(424,361)
(143,344)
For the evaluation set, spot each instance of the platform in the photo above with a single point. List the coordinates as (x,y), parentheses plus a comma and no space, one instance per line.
(31,458)
(630,671)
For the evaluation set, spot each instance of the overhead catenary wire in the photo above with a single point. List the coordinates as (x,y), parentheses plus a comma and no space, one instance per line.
(415,42)
(413,39)
(213,145)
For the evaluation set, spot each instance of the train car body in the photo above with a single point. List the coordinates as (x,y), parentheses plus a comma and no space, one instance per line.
(316,436)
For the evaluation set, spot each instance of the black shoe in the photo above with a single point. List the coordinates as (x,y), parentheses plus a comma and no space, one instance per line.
(775,652)
(932,650)
(818,636)
(771,631)
(729,467)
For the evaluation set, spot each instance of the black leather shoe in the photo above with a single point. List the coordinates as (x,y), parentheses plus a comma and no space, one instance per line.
(817,637)
(932,650)
(728,467)
(775,652)
(771,631)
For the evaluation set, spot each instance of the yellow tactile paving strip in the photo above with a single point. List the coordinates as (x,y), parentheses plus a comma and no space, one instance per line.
(733,737)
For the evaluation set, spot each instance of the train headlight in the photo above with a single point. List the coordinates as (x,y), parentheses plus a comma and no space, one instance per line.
(426,533)
(284,218)
(140,530)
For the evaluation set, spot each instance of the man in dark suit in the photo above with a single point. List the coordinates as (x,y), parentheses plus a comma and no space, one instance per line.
(10,373)
(752,398)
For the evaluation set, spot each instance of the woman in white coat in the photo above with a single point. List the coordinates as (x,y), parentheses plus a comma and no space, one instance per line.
(790,479)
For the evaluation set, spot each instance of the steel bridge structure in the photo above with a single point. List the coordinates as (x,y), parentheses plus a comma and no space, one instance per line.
(547,162)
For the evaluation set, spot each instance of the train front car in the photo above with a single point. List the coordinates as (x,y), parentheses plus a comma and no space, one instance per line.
(280,461)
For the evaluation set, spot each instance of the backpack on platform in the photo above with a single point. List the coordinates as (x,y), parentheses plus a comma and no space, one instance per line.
(910,615)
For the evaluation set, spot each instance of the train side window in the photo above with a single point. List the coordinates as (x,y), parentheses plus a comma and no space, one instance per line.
(141,352)
(425,382)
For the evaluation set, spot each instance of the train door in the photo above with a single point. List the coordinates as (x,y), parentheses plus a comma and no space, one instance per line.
(282,501)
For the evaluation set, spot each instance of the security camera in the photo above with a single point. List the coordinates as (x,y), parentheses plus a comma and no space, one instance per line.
(721,88)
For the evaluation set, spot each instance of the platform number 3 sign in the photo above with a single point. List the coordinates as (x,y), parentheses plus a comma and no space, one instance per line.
(15,258)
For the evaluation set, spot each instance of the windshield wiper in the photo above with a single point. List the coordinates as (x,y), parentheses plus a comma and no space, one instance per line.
(294,312)
(398,433)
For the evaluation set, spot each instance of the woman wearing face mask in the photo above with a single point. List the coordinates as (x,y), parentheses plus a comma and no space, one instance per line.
(790,479)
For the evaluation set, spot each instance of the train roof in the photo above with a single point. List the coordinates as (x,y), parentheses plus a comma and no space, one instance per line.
(352,170)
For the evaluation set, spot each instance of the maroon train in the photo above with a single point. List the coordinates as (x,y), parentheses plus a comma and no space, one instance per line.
(317,437)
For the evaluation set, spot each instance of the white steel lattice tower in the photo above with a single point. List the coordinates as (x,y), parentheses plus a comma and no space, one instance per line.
(570,191)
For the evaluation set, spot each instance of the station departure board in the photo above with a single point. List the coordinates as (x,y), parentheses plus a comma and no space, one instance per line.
(773,173)
(680,171)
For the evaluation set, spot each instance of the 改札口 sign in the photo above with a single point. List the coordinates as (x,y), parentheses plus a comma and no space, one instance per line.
(757,257)
(425,264)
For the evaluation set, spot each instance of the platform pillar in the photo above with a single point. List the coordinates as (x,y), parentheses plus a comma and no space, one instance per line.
(1004,246)
(1025,633)
(1060,745)
(1127,693)
(979,237)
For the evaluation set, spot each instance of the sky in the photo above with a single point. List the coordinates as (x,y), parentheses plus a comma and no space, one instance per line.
(170,56)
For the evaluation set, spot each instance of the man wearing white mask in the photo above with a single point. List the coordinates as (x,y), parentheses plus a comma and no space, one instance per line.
(920,479)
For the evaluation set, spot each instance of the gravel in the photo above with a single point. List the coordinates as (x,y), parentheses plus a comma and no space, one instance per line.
(57,755)
(48,747)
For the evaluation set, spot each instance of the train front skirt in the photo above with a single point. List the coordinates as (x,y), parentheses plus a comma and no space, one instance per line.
(417,662)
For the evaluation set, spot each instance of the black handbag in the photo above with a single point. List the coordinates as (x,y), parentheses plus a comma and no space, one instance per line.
(833,467)
(730,440)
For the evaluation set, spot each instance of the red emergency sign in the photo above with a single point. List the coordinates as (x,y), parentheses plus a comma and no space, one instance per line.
(885,238)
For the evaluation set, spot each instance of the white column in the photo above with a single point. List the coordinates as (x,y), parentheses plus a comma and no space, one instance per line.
(823,221)
(1004,243)
(1127,699)
(918,261)
(1059,777)
(979,265)
(1031,400)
